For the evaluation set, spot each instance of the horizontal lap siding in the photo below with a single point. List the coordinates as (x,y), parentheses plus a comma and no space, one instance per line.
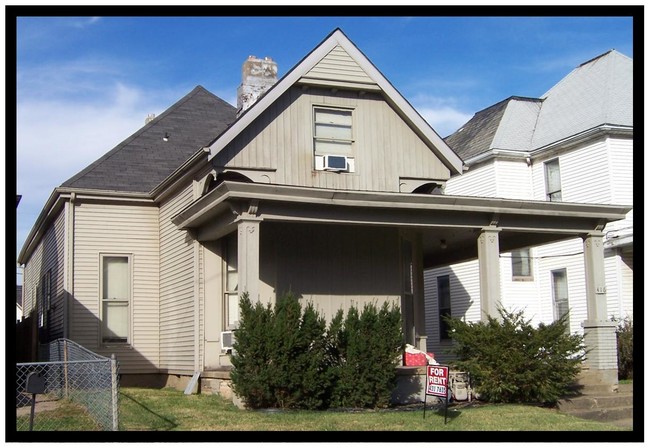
(465,302)
(513,179)
(478,181)
(117,229)
(48,256)
(176,288)
(385,148)
(339,66)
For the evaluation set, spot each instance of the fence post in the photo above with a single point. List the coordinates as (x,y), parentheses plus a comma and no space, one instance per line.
(65,367)
(114,391)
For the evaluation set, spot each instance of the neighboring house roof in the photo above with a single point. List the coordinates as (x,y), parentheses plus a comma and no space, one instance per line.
(366,75)
(596,93)
(144,160)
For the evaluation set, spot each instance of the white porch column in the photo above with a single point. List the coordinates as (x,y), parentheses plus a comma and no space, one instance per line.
(599,332)
(248,255)
(489,275)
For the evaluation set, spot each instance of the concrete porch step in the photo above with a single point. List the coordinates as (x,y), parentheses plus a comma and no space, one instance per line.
(608,415)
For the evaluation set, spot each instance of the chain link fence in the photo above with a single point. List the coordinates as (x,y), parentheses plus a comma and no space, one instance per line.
(76,390)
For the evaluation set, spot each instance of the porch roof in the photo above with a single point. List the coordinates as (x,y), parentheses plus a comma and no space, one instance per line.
(457,220)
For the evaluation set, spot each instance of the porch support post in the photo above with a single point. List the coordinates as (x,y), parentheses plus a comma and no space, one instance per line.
(489,275)
(248,255)
(599,333)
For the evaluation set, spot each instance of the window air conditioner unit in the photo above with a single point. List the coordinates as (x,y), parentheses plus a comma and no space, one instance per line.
(335,163)
(227,340)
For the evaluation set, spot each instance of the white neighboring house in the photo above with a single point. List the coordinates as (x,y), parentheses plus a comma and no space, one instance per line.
(574,144)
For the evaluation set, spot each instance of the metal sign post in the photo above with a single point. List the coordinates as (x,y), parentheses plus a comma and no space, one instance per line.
(437,385)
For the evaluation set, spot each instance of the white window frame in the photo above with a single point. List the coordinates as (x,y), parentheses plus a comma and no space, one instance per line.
(554,195)
(347,144)
(129,299)
(556,314)
(516,259)
(230,244)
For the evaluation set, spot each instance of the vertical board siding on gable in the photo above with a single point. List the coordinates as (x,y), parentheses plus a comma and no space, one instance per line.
(384,147)
(117,229)
(478,181)
(176,288)
(47,256)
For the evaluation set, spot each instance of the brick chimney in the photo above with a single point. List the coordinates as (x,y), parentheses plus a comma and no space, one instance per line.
(257,76)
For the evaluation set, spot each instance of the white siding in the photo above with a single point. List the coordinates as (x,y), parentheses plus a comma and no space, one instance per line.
(627,283)
(584,175)
(513,179)
(102,228)
(176,288)
(478,181)
(465,302)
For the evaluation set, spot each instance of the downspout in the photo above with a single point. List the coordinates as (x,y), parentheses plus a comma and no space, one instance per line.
(69,265)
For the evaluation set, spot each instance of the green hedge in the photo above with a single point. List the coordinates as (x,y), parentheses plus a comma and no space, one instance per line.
(510,361)
(287,357)
(625,345)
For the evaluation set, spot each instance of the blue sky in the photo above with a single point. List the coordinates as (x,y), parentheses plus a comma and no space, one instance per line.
(84,84)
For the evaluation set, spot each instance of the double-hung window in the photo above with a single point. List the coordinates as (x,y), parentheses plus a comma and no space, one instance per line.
(231,283)
(553,183)
(444,306)
(560,294)
(116,298)
(522,267)
(332,131)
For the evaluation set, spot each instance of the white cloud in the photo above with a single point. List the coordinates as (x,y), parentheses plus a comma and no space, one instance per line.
(444,120)
(57,138)
(443,114)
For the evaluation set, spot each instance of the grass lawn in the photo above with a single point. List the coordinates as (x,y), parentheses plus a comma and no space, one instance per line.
(171,410)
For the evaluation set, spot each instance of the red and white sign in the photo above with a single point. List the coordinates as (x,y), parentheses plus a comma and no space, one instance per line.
(437,380)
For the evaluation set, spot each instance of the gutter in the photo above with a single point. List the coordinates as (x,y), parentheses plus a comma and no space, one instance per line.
(538,152)
(57,199)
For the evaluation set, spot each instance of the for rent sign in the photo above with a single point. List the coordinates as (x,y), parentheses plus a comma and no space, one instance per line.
(437,377)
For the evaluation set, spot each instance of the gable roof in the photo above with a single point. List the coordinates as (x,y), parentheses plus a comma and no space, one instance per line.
(144,159)
(596,93)
(313,67)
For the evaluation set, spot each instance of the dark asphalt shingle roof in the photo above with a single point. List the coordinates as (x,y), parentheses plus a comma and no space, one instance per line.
(143,160)
(477,134)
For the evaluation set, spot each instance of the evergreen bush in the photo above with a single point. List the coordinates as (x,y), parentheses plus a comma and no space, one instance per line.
(366,351)
(625,345)
(510,361)
(287,357)
(279,355)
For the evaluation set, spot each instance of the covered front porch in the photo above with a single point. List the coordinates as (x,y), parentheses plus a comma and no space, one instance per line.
(343,248)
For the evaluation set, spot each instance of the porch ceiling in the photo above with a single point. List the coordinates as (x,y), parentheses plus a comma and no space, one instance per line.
(455,219)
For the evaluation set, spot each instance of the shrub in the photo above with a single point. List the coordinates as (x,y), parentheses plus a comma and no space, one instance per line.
(625,345)
(285,357)
(279,355)
(364,352)
(510,361)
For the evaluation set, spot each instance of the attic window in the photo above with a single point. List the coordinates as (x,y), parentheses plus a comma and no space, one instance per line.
(332,131)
